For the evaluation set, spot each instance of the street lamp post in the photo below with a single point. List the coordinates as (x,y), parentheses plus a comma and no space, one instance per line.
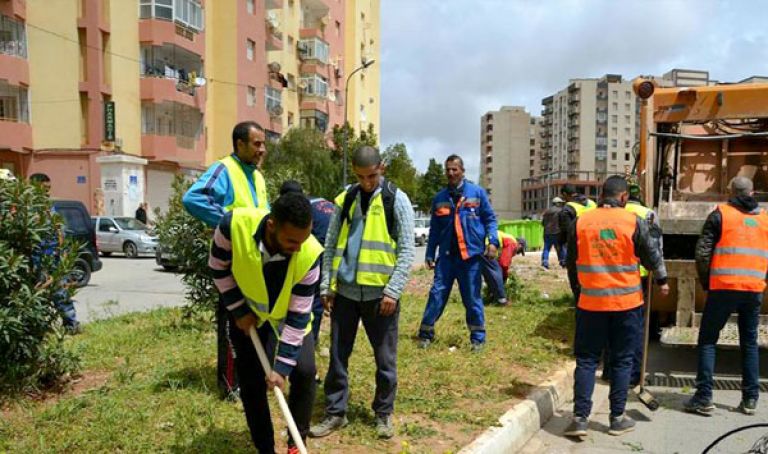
(366,63)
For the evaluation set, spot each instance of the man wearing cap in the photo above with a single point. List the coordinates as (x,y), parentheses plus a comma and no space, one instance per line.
(550,221)
(732,263)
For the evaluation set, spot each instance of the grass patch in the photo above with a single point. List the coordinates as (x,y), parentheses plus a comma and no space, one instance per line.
(149,384)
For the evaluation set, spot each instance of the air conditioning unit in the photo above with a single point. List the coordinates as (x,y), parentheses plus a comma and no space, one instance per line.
(325,20)
(275,111)
(273,20)
(303,84)
(331,96)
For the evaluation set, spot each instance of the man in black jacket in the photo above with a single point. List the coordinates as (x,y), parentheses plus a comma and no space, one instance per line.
(569,212)
(732,263)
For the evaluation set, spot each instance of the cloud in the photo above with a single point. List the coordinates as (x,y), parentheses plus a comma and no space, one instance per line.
(447,62)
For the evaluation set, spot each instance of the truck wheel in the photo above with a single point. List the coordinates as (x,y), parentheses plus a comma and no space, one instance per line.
(130,250)
(81,273)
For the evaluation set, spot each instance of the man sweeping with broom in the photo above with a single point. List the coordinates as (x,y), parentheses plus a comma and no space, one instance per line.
(265,265)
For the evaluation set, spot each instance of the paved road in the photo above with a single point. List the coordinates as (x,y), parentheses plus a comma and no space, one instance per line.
(128,285)
(668,430)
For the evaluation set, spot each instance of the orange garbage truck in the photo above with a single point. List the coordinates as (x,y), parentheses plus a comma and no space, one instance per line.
(692,143)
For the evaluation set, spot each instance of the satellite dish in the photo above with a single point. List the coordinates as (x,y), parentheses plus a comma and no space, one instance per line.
(200,81)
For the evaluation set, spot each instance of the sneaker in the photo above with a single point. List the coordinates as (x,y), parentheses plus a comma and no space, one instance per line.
(621,425)
(748,406)
(698,405)
(425,343)
(545,266)
(477,347)
(503,303)
(293,450)
(328,425)
(384,427)
(578,427)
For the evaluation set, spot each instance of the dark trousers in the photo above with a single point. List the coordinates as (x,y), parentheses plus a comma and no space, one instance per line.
(550,241)
(253,386)
(494,278)
(317,317)
(637,357)
(594,331)
(450,268)
(382,334)
(720,305)
(225,361)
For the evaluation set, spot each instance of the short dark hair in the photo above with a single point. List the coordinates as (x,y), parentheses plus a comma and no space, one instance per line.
(291,186)
(39,178)
(455,157)
(569,189)
(366,156)
(614,186)
(240,132)
(293,208)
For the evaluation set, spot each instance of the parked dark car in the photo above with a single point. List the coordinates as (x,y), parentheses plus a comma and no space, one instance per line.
(78,227)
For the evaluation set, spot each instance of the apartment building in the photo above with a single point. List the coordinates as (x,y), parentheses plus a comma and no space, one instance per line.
(588,130)
(509,149)
(112,98)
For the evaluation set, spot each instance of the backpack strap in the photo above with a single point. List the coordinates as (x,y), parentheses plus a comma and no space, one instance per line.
(388,192)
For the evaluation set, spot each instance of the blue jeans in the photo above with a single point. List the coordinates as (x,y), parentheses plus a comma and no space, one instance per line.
(595,331)
(720,305)
(66,306)
(550,241)
(494,278)
(448,269)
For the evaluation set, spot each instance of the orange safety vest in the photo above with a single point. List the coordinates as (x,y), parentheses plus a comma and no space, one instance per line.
(740,259)
(608,270)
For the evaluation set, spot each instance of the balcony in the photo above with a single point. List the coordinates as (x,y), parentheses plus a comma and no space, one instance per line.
(172,132)
(158,33)
(161,89)
(15,135)
(314,14)
(312,48)
(11,8)
(274,37)
(169,73)
(313,118)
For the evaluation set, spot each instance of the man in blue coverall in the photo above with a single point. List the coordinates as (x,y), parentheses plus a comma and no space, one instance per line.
(462,219)
(231,182)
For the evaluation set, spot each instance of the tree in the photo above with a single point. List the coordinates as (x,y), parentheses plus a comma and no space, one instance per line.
(303,154)
(430,183)
(400,169)
(367,137)
(32,350)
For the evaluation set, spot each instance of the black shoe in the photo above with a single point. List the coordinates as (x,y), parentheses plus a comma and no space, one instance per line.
(748,406)
(578,427)
(698,405)
(621,425)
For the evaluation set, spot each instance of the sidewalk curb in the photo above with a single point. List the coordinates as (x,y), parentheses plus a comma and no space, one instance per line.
(523,420)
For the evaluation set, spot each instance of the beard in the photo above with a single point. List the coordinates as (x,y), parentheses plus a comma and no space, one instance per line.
(273,239)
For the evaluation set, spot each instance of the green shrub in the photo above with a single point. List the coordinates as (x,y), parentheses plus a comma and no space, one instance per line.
(32,353)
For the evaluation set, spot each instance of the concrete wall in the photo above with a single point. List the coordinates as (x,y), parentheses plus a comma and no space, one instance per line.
(363,90)
(124,41)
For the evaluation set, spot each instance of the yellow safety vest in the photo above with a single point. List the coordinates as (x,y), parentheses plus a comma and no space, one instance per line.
(241,187)
(377,257)
(581,209)
(248,272)
(641,212)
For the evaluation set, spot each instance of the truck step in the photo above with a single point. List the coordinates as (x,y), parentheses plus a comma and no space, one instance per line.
(729,336)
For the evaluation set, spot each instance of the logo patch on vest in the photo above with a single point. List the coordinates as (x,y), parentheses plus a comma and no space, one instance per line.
(607,234)
(749,222)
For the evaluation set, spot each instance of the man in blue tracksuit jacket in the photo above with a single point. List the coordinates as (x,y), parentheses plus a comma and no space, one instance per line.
(229,183)
(462,219)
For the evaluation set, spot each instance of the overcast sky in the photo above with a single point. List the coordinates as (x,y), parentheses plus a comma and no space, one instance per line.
(447,62)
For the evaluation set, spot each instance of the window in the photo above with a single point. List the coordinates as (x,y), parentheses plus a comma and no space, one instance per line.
(14,103)
(613,155)
(626,144)
(627,95)
(249,48)
(626,118)
(314,49)
(626,156)
(615,105)
(249,6)
(185,12)
(272,98)
(314,85)
(614,118)
(626,106)
(13,37)
(250,99)
(614,143)
(615,93)
(338,28)
(290,119)
(614,131)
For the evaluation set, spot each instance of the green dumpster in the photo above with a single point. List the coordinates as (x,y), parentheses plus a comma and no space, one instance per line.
(531,230)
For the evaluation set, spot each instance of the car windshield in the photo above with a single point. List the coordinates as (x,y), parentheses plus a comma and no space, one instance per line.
(420,223)
(130,224)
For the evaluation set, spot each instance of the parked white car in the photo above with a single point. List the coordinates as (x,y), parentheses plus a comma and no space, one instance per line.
(421,231)
(123,234)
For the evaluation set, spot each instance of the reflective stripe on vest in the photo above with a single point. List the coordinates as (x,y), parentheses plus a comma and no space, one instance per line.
(248,273)
(581,209)
(377,257)
(608,270)
(241,188)
(643,213)
(740,259)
